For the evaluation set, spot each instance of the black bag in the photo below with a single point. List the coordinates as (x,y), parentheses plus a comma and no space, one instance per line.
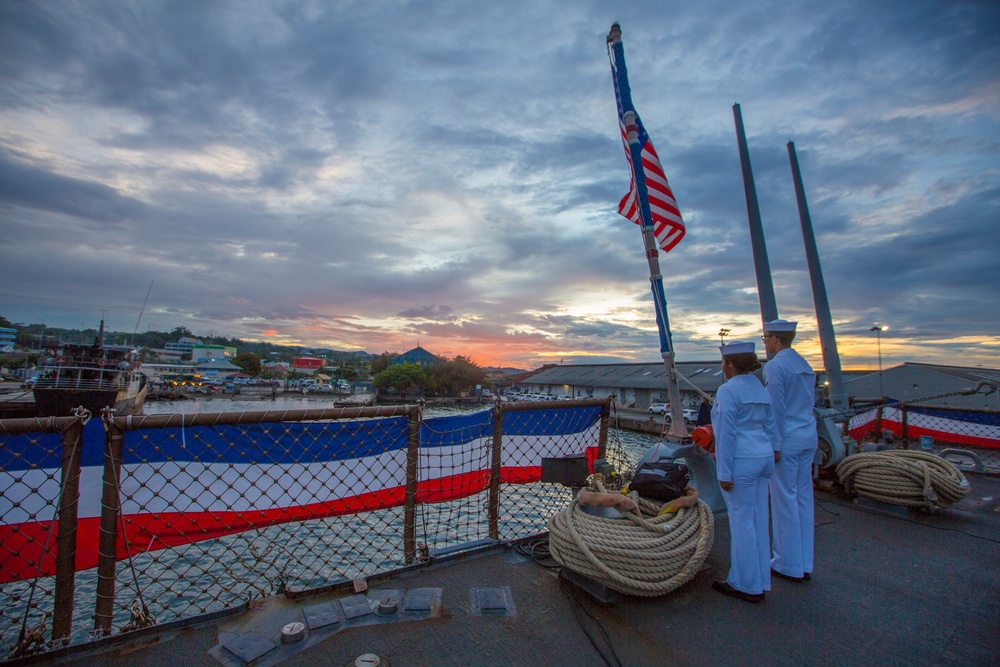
(660,480)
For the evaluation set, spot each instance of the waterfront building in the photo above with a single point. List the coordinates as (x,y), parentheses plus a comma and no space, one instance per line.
(418,356)
(641,385)
(158,372)
(307,365)
(634,385)
(278,369)
(164,355)
(218,368)
(911,382)
(8,337)
(210,352)
(184,345)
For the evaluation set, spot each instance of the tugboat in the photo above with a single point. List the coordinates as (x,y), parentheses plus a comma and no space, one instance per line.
(91,376)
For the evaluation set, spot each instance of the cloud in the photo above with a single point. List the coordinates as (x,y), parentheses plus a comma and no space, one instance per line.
(358,176)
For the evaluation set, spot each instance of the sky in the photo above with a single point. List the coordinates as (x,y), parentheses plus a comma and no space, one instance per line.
(381,174)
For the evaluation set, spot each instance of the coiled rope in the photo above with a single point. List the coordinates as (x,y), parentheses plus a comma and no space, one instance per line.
(647,556)
(903,477)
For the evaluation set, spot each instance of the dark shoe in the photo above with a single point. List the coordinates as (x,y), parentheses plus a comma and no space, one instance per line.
(724,588)
(807,576)
(789,577)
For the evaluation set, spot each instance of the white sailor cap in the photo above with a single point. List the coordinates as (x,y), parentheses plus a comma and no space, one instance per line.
(779,325)
(737,347)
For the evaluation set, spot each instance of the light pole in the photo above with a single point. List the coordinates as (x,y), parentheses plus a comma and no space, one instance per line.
(878,329)
(722,336)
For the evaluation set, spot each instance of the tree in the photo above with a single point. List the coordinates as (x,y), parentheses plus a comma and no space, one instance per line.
(452,377)
(381,362)
(350,373)
(402,377)
(249,362)
(181,332)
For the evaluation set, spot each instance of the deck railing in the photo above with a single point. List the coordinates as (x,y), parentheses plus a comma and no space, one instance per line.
(83,376)
(108,526)
(953,426)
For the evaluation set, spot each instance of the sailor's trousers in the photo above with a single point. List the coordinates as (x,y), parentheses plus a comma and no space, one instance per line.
(792,513)
(750,546)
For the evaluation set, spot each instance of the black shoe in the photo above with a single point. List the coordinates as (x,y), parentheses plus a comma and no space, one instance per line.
(807,576)
(789,577)
(724,588)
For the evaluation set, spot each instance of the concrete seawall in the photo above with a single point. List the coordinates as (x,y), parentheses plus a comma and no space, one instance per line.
(641,422)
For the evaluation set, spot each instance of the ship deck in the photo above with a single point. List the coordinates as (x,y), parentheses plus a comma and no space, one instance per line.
(890,587)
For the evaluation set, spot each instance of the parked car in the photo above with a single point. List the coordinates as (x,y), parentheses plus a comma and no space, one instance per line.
(690,414)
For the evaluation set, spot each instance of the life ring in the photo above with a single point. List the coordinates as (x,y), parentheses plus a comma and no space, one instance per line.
(704,437)
(102,362)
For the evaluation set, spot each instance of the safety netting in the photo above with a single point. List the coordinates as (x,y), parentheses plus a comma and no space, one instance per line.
(183,515)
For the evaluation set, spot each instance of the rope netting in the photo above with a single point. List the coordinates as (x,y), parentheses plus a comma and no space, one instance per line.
(208,511)
(908,426)
(527,502)
(32,452)
(237,511)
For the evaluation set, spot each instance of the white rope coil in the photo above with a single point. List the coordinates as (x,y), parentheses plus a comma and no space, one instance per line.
(647,556)
(903,477)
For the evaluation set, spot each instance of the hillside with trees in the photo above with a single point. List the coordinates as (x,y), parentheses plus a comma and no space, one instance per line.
(32,335)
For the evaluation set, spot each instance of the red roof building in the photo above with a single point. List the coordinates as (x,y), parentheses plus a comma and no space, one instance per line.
(307,365)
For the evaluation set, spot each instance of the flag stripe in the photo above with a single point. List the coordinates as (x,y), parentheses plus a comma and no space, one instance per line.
(168,497)
(945,426)
(668,226)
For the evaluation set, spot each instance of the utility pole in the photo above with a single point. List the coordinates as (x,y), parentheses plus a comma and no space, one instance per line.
(878,329)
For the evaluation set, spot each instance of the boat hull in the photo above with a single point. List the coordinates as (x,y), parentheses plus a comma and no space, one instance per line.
(62,402)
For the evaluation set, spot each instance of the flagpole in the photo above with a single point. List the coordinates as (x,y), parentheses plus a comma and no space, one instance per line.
(678,428)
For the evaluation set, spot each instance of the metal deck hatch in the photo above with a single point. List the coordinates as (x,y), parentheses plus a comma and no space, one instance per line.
(320,615)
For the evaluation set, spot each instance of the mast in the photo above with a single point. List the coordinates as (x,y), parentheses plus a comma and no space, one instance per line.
(827,338)
(678,428)
(762,267)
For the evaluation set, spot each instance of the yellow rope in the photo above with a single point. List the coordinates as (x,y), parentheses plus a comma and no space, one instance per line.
(647,556)
(903,477)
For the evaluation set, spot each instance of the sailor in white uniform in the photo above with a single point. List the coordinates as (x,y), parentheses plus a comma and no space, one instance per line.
(744,437)
(791,383)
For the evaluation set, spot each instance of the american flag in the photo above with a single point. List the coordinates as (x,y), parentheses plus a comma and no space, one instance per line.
(668,227)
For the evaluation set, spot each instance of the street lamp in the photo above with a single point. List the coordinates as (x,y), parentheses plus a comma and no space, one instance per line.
(722,336)
(878,329)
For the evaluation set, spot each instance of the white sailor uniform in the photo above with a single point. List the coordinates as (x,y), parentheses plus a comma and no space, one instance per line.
(744,434)
(791,383)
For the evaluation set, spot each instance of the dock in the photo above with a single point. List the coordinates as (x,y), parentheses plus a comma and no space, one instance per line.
(16,402)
